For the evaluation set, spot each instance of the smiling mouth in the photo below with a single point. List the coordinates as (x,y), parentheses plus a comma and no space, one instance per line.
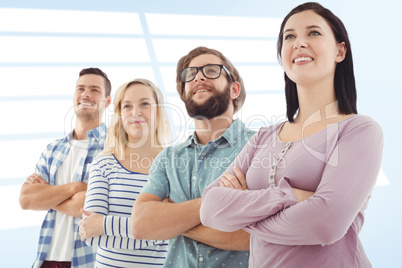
(201,90)
(303,59)
(85,105)
(136,122)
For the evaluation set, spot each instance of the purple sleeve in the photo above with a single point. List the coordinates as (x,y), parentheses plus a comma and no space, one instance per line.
(229,210)
(341,196)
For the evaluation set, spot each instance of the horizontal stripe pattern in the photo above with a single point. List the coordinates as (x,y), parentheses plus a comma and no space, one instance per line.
(111,192)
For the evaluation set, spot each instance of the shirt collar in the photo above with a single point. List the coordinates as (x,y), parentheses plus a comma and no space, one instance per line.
(231,135)
(95,133)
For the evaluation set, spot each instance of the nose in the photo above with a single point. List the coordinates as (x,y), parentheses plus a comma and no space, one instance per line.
(85,93)
(299,43)
(136,110)
(199,76)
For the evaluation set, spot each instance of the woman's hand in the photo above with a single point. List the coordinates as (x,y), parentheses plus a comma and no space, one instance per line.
(237,181)
(302,195)
(91,225)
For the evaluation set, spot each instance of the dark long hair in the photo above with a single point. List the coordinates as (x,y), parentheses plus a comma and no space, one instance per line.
(344,81)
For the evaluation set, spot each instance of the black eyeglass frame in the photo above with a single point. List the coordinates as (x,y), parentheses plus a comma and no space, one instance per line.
(201,68)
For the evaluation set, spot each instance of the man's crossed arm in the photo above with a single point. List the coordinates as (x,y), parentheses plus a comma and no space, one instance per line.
(37,194)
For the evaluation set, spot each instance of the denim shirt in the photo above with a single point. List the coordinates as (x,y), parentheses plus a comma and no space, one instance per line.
(182,172)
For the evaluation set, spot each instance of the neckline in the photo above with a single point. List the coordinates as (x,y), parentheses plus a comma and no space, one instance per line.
(133,172)
(303,138)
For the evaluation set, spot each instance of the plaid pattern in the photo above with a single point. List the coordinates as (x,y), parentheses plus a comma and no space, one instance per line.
(50,160)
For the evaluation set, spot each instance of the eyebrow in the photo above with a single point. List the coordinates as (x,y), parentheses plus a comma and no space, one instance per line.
(142,99)
(308,27)
(91,86)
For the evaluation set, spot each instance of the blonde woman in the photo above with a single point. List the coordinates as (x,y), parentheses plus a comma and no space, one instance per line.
(138,133)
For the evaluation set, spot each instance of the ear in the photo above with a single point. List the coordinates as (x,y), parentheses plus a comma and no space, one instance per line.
(341,52)
(108,101)
(235,90)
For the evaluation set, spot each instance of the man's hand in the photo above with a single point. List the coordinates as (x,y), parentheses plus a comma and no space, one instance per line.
(238,240)
(148,209)
(35,178)
(91,225)
(72,205)
(80,186)
(167,200)
(37,194)
(237,181)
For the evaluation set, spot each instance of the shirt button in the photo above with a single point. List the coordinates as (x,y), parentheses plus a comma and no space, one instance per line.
(194,178)
(201,259)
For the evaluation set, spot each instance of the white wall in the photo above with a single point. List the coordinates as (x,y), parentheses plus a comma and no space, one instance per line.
(43,46)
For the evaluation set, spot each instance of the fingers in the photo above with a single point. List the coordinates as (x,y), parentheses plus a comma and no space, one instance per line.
(230,181)
(30,179)
(86,213)
(240,177)
(83,235)
(39,179)
(90,226)
(35,178)
(224,182)
(84,228)
(237,181)
(167,200)
(81,229)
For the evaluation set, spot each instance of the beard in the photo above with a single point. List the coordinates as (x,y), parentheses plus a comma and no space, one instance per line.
(87,116)
(215,106)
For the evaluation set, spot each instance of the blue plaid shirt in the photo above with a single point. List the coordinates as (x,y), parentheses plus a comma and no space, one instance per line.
(50,160)
(182,172)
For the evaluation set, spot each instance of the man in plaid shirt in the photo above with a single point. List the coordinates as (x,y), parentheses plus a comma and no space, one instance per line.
(60,180)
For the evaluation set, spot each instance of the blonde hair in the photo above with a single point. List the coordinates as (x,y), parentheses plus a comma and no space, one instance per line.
(117,138)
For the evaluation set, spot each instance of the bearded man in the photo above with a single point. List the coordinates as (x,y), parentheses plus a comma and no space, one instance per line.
(169,205)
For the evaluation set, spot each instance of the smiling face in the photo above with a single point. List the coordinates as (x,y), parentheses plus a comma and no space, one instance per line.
(89,97)
(207,97)
(138,112)
(310,52)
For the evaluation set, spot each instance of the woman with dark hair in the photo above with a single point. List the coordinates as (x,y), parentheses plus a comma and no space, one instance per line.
(307,181)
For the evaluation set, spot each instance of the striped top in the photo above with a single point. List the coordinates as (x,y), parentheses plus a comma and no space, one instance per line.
(111,192)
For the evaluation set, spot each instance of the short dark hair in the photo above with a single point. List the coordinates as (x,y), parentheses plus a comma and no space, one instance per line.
(185,61)
(97,71)
(344,81)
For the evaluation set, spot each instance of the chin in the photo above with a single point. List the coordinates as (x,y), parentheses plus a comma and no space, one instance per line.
(86,114)
(136,135)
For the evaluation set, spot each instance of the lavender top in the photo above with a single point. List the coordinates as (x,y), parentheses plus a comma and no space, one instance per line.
(340,164)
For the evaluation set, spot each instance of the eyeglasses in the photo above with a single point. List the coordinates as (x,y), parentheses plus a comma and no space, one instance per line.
(210,71)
